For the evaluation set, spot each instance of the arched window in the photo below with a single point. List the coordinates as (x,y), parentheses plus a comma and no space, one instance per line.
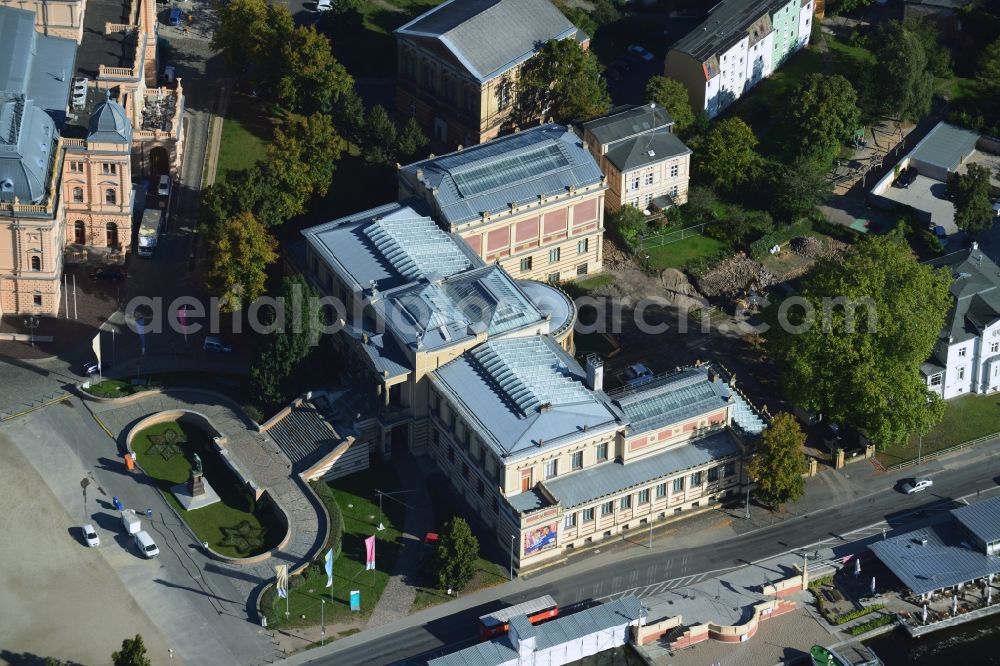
(78,194)
(79,233)
(110,196)
(36,263)
(112,234)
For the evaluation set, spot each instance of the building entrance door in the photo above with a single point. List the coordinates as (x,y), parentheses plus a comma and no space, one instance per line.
(400,438)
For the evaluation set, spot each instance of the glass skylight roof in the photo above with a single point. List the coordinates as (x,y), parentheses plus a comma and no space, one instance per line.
(510,170)
(529,373)
(416,247)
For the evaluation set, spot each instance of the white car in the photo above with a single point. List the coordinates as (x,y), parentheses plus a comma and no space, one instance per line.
(637,50)
(324,6)
(164,188)
(917,485)
(996,208)
(90,536)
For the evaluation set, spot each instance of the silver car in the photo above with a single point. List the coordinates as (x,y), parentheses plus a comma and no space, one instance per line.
(916,485)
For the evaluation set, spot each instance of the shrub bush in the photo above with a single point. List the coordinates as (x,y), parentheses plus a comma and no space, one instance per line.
(865,627)
(761,247)
(629,223)
(819,582)
(844,618)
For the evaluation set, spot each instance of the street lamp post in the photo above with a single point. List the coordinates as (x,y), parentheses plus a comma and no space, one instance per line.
(512,539)
(31,323)
(920,448)
(748,500)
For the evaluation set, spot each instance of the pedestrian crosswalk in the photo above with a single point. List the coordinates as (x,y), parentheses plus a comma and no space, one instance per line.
(654,589)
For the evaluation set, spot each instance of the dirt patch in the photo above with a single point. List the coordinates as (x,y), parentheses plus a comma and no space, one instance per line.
(735,275)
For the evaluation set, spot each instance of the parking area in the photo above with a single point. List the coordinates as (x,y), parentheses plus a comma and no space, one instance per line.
(928,196)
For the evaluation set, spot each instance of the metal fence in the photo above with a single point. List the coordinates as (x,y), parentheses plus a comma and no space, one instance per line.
(935,454)
(659,240)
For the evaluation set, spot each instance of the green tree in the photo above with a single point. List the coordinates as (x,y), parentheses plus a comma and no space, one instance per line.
(133,653)
(52,661)
(779,462)
(456,556)
(241,251)
(380,137)
(728,158)
(247,190)
(672,96)
(971,193)
(867,324)
(312,80)
(799,187)
(938,57)
(839,7)
(249,33)
(565,82)
(349,117)
(302,158)
(278,362)
(901,81)
(822,114)
(410,142)
(988,73)
(629,223)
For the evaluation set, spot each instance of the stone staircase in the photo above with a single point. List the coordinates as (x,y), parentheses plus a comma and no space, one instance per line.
(303,433)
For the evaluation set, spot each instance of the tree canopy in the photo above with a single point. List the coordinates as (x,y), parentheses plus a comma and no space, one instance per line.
(456,555)
(970,192)
(672,96)
(988,73)
(387,144)
(242,250)
(800,187)
(779,462)
(563,82)
(727,157)
(629,223)
(312,80)
(852,343)
(133,653)
(302,158)
(901,80)
(822,113)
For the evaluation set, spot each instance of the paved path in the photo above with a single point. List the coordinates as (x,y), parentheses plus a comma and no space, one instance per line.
(257,455)
(400,591)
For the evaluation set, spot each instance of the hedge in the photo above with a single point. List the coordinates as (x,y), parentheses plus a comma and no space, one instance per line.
(865,627)
(761,247)
(819,582)
(336,536)
(855,614)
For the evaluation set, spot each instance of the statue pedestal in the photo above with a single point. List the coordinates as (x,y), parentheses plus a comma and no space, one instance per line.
(196,493)
(196,484)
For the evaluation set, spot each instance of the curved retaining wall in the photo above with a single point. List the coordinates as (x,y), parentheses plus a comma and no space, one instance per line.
(205,424)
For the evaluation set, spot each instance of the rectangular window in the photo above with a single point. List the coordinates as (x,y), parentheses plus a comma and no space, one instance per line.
(995,348)
(625,503)
(961,373)
(648,199)
(649,178)
(584,245)
(961,352)
(554,255)
(730,468)
(607,509)
(675,170)
(552,278)
(581,269)
(602,452)
(588,515)
(577,459)
(643,496)
(696,479)
(551,468)
(526,264)
(661,491)
(76,167)
(679,485)
(570,520)
(37,299)
(713,474)
(936,380)
(674,190)
(109,168)
(634,185)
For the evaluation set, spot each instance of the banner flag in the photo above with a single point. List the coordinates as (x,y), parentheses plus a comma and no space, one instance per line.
(370,553)
(96,345)
(329,568)
(140,328)
(282,583)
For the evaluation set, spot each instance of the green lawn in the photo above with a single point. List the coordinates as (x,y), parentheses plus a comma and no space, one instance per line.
(592,283)
(247,129)
(164,452)
(113,388)
(682,253)
(371,50)
(355,497)
(848,60)
(965,418)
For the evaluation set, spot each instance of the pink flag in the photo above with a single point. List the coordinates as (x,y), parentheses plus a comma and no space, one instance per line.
(370,553)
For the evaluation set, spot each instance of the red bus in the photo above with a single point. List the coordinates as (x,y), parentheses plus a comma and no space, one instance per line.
(537,610)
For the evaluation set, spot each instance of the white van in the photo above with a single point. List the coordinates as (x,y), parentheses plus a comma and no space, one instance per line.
(323,6)
(146,545)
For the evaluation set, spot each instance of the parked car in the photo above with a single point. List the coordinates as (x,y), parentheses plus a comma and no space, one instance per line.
(996,208)
(939,232)
(215,344)
(324,6)
(107,273)
(146,545)
(906,178)
(637,374)
(91,368)
(637,50)
(175,16)
(917,485)
(90,536)
(163,189)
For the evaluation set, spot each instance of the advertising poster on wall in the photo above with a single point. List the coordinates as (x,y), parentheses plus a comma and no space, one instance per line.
(540,538)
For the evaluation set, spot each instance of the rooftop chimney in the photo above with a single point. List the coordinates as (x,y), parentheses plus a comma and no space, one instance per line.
(595,373)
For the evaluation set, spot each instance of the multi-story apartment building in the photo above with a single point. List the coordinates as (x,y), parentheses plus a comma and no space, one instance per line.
(643,161)
(469,367)
(54,18)
(740,43)
(966,358)
(532,202)
(458,64)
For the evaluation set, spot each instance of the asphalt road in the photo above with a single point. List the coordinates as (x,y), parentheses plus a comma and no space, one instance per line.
(587,583)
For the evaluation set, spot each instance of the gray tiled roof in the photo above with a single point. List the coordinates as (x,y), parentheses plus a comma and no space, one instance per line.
(613,477)
(109,124)
(725,26)
(945,146)
(513,169)
(381,349)
(671,398)
(491,36)
(39,66)
(975,287)
(528,501)
(521,409)
(941,562)
(646,149)
(27,145)
(629,122)
(981,518)
(562,630)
